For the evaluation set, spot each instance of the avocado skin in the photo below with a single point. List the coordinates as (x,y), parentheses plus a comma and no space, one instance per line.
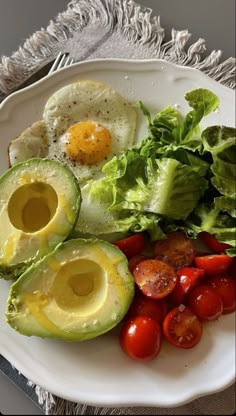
(13,272)
(14,304)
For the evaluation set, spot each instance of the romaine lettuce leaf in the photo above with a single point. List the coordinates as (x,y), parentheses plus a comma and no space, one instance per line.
(176,190)
(220,141)
(203,102)
(207,217)
(226,204)
(169,130)
(96,219)
(160,186)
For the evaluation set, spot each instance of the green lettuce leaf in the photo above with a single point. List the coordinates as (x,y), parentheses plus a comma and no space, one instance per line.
(177,189)
(160,186)
(203,102)
(226,204)
(169,130)
(220,142)
(96,219)
(207,217)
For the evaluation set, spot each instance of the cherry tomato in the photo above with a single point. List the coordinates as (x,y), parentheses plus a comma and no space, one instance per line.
(143,306)
(135,260)
(182,328)
(131,246)
(212,243)
(205,302)
(232,268)
(155,278)
(213,263)
(187,279)
(226,288)
(176,249)
(141,338)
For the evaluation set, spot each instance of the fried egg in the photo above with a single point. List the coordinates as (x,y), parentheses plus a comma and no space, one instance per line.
(33,142)
(84,125)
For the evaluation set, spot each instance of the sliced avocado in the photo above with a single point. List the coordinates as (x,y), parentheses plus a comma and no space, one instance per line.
(39,205)
(79,291)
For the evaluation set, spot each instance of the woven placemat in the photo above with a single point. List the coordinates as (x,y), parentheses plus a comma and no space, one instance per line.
(91,29)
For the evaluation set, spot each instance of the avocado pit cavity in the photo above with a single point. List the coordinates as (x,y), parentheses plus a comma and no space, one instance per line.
(80,286)
(32,206)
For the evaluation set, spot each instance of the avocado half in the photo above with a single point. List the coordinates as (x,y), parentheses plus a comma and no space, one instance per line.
(39,205)
(79,291)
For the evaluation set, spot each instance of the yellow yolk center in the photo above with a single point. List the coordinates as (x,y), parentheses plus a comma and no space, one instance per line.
(88,142)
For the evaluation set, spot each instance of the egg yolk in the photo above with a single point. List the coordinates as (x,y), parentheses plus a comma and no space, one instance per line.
(88,143)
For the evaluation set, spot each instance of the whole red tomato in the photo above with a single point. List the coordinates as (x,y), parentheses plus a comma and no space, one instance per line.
(140,338)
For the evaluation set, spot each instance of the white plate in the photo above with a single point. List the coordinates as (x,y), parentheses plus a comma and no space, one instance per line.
(97,372)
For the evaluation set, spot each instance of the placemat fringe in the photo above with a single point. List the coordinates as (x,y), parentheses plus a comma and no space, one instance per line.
(137,26)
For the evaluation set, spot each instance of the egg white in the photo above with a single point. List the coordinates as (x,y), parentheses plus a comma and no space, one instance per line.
(76,102)
(32,142)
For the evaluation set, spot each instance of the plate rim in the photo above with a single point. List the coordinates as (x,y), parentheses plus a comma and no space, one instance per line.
(100,61)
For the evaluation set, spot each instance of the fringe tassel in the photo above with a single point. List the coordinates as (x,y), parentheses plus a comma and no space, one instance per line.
(137,25)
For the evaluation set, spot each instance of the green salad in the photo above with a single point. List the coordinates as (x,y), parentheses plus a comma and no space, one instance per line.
(178,177)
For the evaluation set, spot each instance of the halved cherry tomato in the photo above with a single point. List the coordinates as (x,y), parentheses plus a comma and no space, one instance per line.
(143,306)
(213,263)
(182,328)
(226,288)
(155,278)
(135,260)
(205,302)
(131,246)
(141,338)
(212,243)
(176,249)
(187,279)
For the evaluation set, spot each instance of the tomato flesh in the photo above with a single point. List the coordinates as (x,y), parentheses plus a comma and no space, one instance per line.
(187,279)
(212,243)
(206,303)
(182,328)
(176,250)
(131,246)
(141,338)
(225,286)
(155,278)
(144,306)
(213,263)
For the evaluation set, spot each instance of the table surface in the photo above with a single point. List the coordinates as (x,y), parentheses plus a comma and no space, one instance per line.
(212,20)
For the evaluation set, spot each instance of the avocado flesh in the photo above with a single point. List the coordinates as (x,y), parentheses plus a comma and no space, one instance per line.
(79,291)
(39,205)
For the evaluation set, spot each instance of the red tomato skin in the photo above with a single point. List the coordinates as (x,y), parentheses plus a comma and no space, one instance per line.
(135,260)
(232,268)
(182,328)
(144,306)
(213,263)
(226,288)
(205,303)
(131,246)
(155,278)
(212,243)
(141,338)
(187,279)
(176,250)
